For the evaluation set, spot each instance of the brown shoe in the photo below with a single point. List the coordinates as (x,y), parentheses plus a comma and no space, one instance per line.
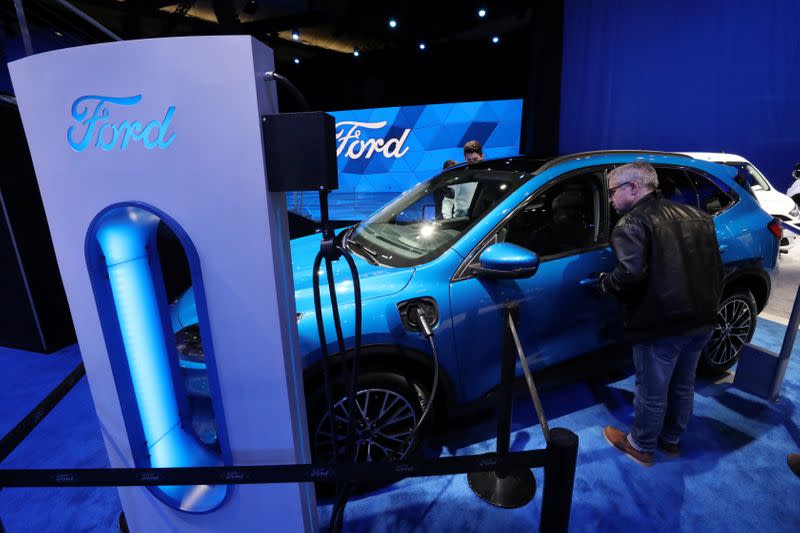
(673,450)
(619,440)
(794,463)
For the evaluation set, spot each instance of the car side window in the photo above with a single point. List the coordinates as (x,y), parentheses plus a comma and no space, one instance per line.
(675,185)
(711,197)
(562,219)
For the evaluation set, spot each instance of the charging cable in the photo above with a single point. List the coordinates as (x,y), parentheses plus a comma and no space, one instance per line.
(288,85)
(428,332)
(330,250)
(343,495)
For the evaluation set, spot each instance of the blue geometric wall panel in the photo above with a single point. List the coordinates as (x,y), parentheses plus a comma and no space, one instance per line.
(391,149)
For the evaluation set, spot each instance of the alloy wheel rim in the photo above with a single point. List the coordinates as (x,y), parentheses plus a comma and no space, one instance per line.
(734,320)
(383,421)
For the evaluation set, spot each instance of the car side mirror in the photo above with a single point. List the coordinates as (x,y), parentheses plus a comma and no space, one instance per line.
(504,260)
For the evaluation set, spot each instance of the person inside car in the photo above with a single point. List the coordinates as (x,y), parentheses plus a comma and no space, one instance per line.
(473,153)
(443,197)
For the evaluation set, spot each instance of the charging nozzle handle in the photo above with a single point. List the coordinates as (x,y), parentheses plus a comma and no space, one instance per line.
(426,328)
(327,246)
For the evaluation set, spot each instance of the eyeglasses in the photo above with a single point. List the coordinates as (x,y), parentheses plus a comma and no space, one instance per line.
(613,190)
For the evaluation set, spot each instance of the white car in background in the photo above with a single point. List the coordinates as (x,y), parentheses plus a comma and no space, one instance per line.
(772,201)
(794,188)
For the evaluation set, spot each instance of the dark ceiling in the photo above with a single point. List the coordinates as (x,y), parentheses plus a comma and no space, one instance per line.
(459,62)
(324,25)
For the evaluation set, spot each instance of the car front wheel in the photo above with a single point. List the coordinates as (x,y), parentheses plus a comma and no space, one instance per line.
(736,323)
(388,408)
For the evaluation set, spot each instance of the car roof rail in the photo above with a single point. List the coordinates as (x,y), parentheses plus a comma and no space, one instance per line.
(564,158)
(517,163)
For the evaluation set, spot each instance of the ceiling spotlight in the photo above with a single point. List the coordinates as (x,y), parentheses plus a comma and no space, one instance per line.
(356,52)
(250,7)
(495,39)
(422,46)
(481,13)
(296,60)
(296,35)
(392,23)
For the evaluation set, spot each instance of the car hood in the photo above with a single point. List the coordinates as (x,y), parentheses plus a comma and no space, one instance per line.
(376,280)
(775,203)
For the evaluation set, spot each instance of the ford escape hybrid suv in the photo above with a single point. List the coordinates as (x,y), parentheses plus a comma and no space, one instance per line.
(522,213)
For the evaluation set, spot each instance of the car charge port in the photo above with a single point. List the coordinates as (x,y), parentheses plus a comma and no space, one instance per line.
(409,313)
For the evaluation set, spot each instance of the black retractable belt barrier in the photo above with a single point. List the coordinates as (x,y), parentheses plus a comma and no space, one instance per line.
(504,476)
(558,461)
(18,433)
(245,475)
(14,437)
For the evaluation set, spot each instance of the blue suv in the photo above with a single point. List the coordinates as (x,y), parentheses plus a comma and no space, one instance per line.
(458,247)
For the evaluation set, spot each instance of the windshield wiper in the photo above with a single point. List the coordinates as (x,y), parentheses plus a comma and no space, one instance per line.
(402,246)
(368,254)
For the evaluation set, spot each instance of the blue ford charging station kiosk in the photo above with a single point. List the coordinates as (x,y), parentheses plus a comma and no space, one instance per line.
(128,136)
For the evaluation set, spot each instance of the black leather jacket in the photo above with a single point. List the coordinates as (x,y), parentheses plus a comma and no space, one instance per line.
(669,271)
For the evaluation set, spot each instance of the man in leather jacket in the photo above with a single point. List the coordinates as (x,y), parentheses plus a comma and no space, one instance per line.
(668,279)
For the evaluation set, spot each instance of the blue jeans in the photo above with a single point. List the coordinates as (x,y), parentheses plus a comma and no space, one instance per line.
(665,370)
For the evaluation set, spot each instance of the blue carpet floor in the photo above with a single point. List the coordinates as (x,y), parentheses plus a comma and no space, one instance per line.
(732,476)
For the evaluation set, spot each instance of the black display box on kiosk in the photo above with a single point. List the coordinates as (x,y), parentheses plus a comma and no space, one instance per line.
(300,149)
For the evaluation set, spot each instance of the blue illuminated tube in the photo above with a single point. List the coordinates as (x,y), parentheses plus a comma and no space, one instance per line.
(123,234)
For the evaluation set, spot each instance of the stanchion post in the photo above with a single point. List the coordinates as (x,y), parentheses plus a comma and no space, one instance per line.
(786,348)
(506,487)
(559,478)
(505,399)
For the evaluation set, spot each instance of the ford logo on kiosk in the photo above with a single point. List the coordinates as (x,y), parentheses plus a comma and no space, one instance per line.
(99,128)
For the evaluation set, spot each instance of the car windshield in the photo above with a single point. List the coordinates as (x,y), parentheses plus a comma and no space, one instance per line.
(426,220)
(754,178)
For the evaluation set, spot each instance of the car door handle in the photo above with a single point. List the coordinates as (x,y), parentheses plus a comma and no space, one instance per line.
(723,248)
(590,282)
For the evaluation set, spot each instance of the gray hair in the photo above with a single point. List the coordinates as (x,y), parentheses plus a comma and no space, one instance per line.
(640,171)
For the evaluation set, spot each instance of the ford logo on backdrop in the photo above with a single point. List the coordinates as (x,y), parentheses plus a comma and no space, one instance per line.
(95,125)
(353,147)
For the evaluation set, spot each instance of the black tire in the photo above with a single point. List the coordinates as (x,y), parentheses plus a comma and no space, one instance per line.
(390,406)
(736,323)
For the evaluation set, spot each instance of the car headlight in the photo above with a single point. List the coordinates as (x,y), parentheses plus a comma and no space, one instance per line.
(795,212)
